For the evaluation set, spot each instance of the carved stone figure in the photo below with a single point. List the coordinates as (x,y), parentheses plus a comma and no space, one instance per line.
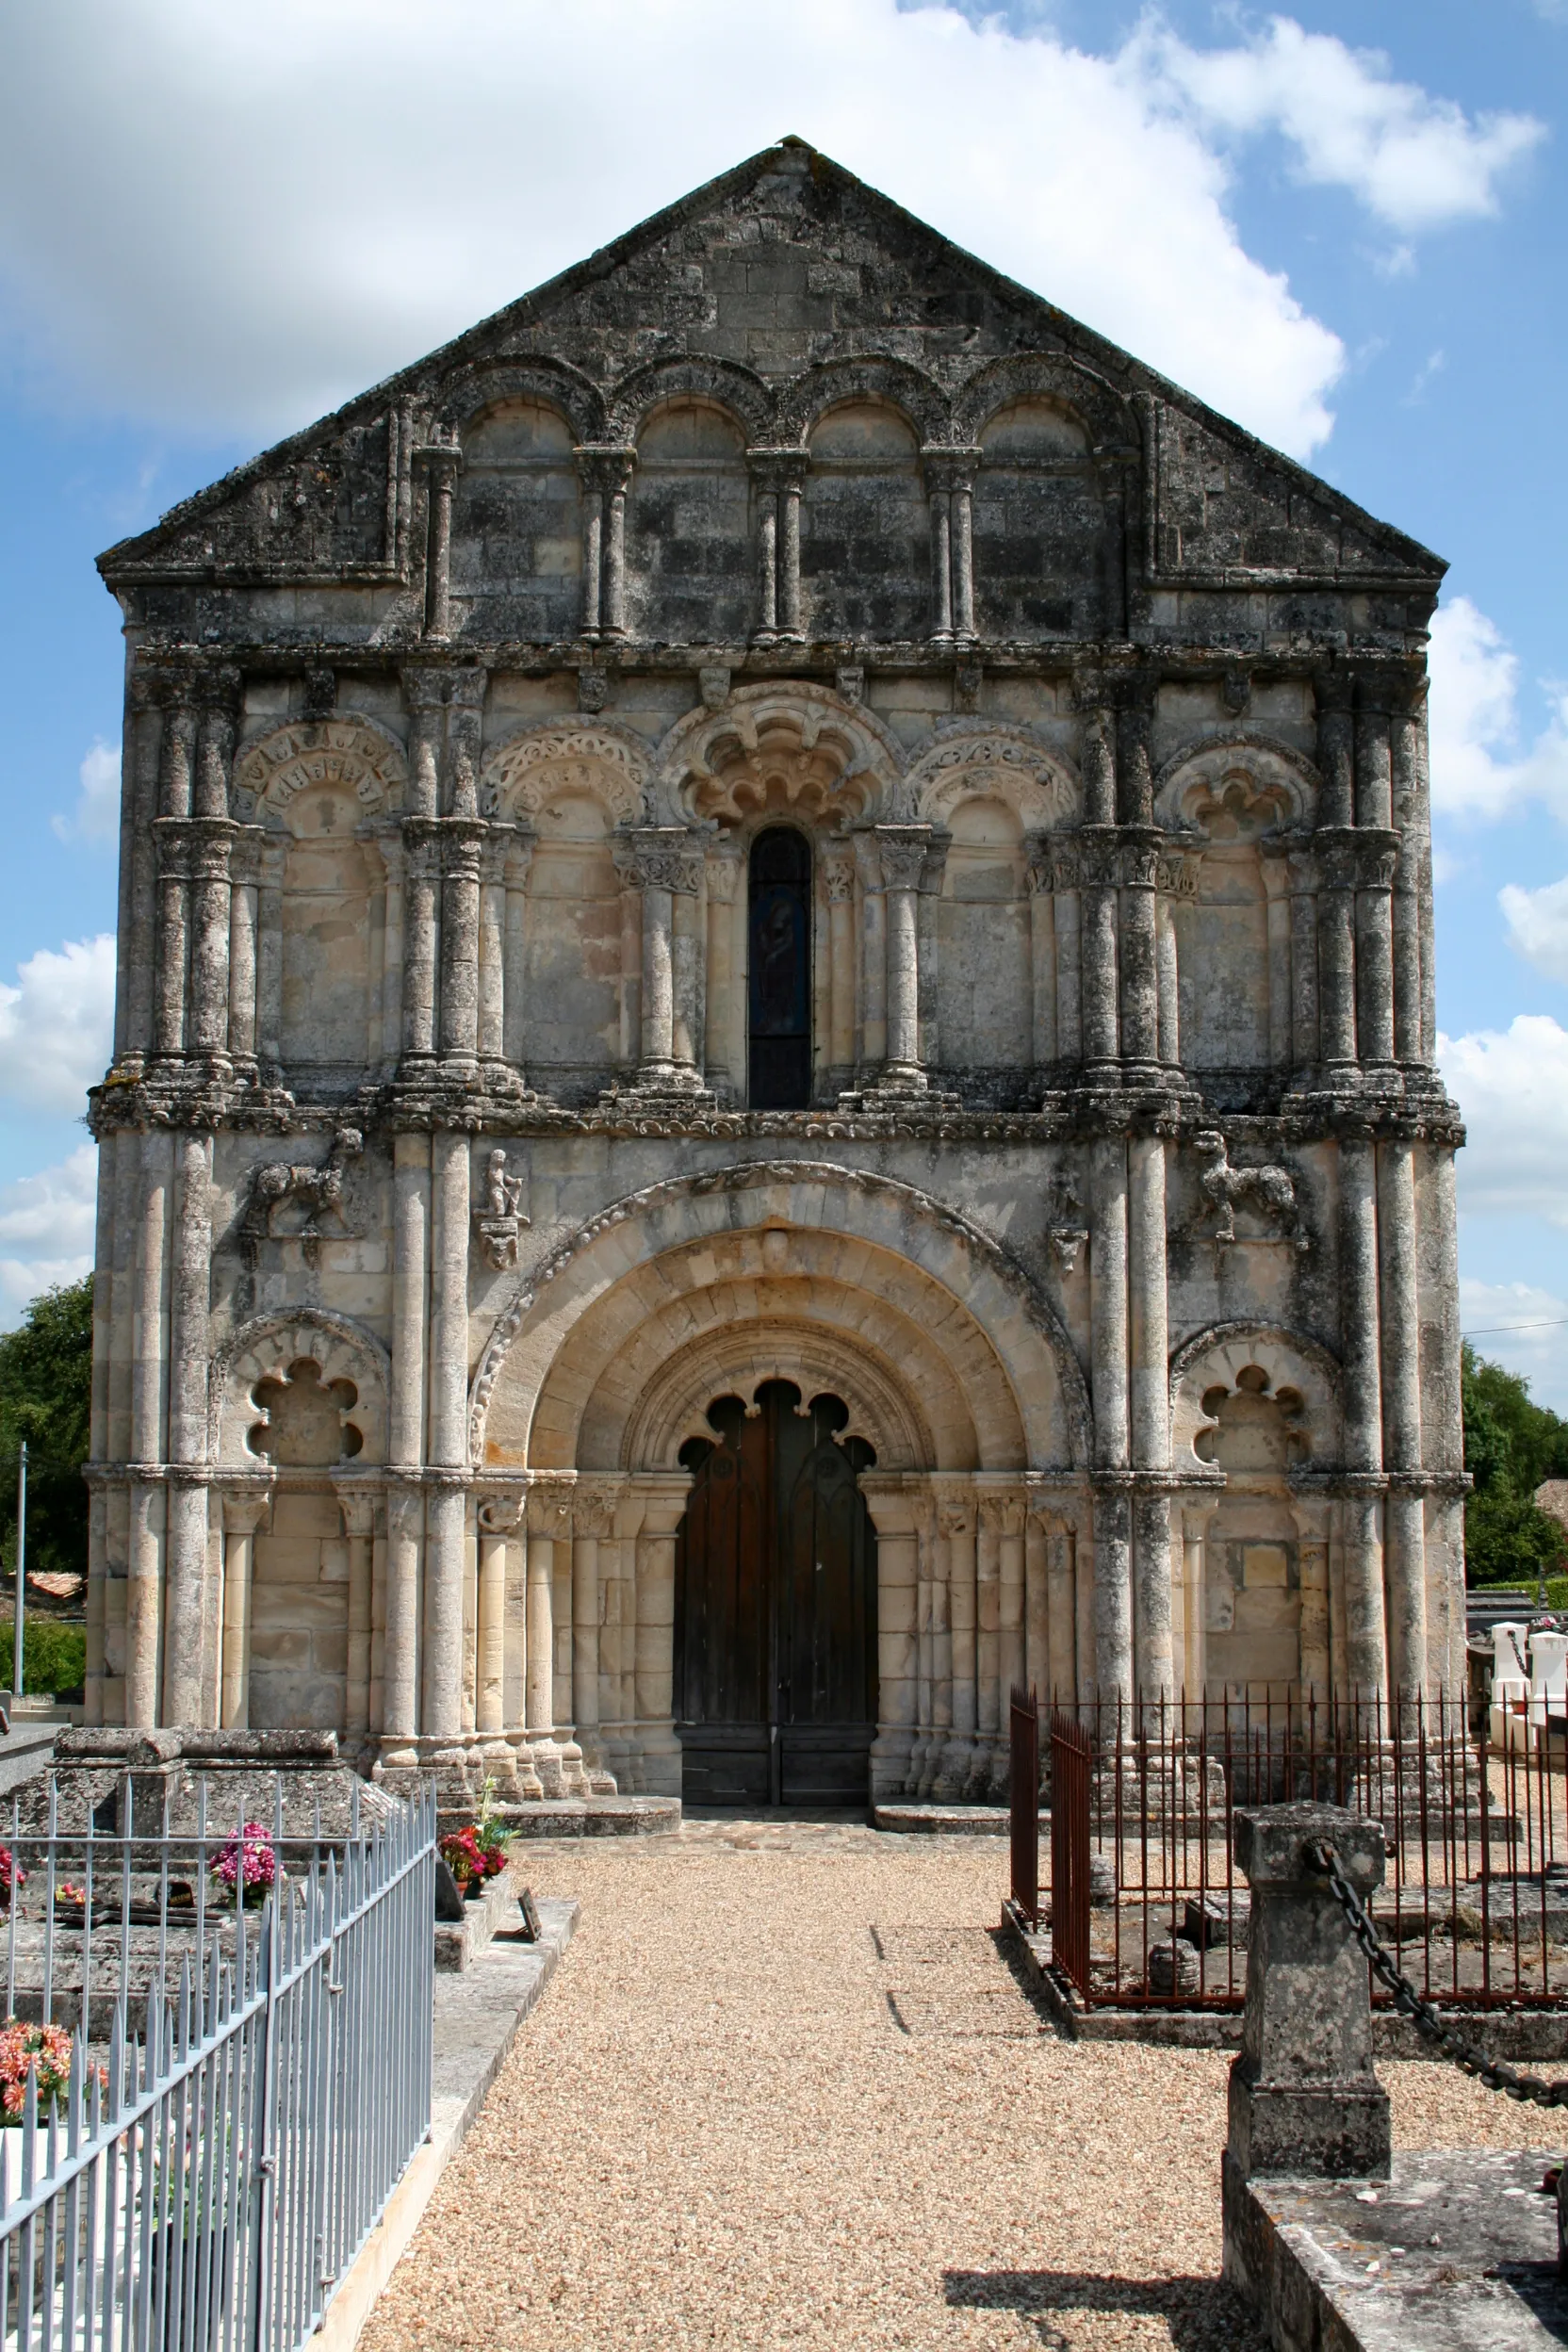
(318,1188)
(500,1217)
(1268,1189)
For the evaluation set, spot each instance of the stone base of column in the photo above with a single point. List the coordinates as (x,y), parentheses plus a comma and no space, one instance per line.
(950,1783)
(891,1754)
(900,1085)
(663,1081)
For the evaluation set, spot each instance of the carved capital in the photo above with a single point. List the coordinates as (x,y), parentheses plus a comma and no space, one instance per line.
(606,466)
(246,1514)
(358,1510)
(594,1506)
(950,466)
(903,850)
(778,469)
(838,871)
(666,857)
(500,1515)
(723,869)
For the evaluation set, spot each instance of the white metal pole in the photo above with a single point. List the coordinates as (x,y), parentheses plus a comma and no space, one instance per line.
(21,1568)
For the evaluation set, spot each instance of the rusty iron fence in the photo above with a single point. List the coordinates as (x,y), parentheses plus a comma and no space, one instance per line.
(1147,1908)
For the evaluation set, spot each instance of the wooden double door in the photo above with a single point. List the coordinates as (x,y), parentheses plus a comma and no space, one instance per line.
(776,1608)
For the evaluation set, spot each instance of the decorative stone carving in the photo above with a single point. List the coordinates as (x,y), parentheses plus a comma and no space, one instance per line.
(499,1219)
(986,762)
(529,768)
(593,689)
(1270,1190)
(353,754)
(713,685)
(318,1188)
(266,1350)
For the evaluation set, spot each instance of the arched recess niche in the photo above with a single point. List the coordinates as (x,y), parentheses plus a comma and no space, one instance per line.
(320,789)
(865,561)
(864,1259)
(516,539)
(568,790)
(1242,798)
(688,531)
(1040,522)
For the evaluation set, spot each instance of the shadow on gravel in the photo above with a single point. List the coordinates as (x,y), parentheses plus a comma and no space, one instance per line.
(1203,2315)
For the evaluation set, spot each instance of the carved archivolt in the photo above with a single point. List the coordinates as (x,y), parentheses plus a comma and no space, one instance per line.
(972,1277)
(1242,781)
(722,383)
(737,1361)
(808,399)
(265,1348)
(1298,1372)
(353,754)
(1041,788)
(778,747)
(467,395)
(605,761)
(1029,375)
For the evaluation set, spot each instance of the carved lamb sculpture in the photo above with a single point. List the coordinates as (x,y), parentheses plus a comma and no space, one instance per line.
(319,1188)
(1269,1188)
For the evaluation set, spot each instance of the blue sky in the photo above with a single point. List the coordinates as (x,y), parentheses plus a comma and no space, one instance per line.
(1341,224)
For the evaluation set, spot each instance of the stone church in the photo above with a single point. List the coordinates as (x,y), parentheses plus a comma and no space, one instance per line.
(773,1057)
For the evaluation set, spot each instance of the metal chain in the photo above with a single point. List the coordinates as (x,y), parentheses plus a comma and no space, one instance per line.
(1426,2021)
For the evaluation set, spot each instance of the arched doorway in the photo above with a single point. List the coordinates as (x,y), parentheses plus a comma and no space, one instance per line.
(775,1607)
(780,1015)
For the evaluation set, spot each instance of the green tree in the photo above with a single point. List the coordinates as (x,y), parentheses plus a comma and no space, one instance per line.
(1510,1445)
(45,1396)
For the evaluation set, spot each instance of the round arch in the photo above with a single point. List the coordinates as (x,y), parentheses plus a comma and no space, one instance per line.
(354,753)
(599,757)
(467,394)
(1217,1357)
(852,763)
(723,383)
(980,760)
(267,1346)
(1194,780)
(933,1270)
(1106,417)
(917,396)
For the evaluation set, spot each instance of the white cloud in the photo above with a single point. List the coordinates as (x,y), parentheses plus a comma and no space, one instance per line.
(1480,768)
(235,217)
(1522,1327)
(46,1231)
(1414,161)
(56,1024)
(1512,1088)
(1538,926)
(96,817)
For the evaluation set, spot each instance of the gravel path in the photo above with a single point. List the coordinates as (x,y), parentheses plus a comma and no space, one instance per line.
(784,2091)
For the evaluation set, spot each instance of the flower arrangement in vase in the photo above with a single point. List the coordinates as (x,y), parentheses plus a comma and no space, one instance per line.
(245,1869)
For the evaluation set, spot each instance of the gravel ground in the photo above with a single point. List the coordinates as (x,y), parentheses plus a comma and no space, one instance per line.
(784,2090)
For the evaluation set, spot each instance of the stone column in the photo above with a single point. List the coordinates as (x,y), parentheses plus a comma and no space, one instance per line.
(463,842)
(1335,748)
(1108,1233)
(495,856)
(405,1529)
(989,1688)
(1195,1528)
(872,1041)
(723,873)
(187,1598)
(1408,816)
(593,1505)
(1378,855)
(1316,1644)
(244,875)
(207,1019)
(1042,950)
(942,552)
(901,851)
(933,1544)
(387,1013)
(1366,1659)
(963,547)
(1066,875)
(148,1373)
(657,853)
(500,1517)
(1097,857)
(1405,1563)
(664,1500)
(244,1515)
(616,478)
(359,1531)
(546,1520)
(446,1555)
(514,1004)
(1178,878)
(1036,1670)
(1061,1588)
(176,759)
(687,964)
(441,460)
(956,1524)
(1007,1510)
(893,1511)
(1337,862)
(789,553)
(1276,882)
(767,567)
(838,868)
(272,856)
(1149,1412)
(422,854)
(139,887)
(1139,954)
(1303,959)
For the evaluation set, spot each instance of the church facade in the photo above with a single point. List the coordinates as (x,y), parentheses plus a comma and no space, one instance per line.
(773,1064)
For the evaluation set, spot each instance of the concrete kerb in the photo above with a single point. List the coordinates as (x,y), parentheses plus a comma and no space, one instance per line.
(479,2015)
